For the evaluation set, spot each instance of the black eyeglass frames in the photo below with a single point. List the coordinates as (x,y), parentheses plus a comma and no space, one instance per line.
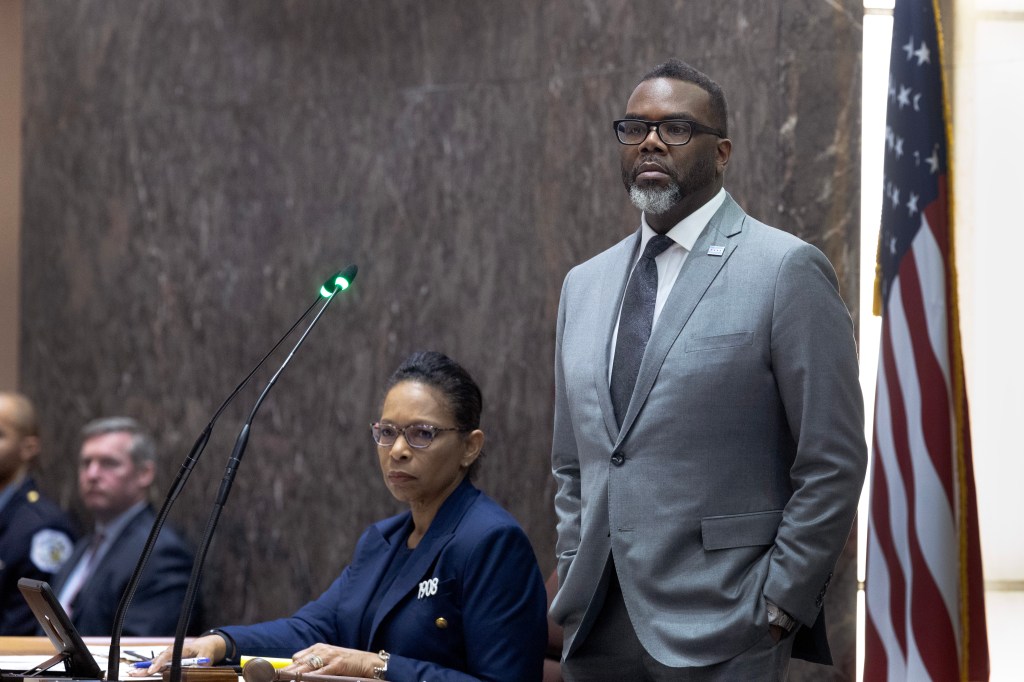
(674,132)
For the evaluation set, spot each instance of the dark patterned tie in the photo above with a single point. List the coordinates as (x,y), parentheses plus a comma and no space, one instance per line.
(90,559)
(635,322)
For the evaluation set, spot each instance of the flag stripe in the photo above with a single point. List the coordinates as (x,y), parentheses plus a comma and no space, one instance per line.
(936,526)
(920,618)
(933,434)
(931,536)
(902,398)
(889,514)
(889,638)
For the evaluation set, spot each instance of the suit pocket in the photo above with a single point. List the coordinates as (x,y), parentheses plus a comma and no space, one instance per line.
(720,341)
(740,530)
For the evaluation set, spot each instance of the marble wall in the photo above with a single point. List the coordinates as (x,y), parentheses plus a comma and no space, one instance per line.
(194,169)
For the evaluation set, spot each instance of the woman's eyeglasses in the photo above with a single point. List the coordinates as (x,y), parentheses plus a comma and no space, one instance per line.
(416,435)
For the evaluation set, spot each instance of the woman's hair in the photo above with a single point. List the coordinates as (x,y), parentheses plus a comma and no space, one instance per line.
(449,378)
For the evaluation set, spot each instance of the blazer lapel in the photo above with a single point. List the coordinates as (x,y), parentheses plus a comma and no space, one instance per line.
(613,288)
(696,276)
(380,553)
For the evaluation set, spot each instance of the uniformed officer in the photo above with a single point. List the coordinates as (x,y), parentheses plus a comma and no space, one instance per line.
(35,536)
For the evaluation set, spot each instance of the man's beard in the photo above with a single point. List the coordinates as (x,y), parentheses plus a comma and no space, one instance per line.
(658,199)
(655,200)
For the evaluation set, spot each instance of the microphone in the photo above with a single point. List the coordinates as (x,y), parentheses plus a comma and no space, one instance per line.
(339,281)
(261,670)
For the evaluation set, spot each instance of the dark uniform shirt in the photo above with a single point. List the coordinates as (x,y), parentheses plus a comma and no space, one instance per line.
(35,541)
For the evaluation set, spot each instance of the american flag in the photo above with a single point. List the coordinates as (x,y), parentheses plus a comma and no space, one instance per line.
(924,589)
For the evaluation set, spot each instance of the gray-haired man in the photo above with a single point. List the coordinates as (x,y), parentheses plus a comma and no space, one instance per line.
(116,466)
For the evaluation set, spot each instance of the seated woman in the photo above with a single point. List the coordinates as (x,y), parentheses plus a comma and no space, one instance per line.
(449,590)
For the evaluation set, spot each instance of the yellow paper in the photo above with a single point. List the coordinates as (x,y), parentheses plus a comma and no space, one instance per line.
(278,663)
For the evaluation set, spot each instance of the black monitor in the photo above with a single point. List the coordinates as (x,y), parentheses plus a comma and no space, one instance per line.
(71,650)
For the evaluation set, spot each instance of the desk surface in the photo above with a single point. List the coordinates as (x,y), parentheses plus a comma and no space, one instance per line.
(41,646)
(20,646)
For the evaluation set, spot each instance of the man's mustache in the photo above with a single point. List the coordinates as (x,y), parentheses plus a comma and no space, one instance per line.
(643,165)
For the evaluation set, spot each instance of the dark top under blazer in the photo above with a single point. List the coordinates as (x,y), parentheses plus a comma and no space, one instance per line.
(489,591)
(160,594)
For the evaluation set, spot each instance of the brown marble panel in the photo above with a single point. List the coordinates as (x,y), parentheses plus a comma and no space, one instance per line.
(193,170)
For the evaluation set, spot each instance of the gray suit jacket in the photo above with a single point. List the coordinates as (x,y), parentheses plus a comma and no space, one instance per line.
(742,450)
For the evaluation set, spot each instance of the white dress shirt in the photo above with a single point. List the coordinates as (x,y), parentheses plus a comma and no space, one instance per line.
(670,261)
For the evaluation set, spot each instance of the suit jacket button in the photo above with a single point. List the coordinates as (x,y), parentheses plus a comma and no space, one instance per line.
(441,623)
(618,460)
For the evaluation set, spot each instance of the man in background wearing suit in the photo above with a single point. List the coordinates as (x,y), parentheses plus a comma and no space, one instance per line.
(35,536)
(115,471)
(709,426)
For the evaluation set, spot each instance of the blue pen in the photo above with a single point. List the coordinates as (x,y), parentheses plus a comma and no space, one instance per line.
(184,662)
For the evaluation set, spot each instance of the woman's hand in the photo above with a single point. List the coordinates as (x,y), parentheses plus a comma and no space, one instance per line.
(324,659)
(210,646)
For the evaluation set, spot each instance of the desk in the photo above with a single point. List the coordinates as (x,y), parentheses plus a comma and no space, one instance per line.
(23,653)
(35,649)
(26,646)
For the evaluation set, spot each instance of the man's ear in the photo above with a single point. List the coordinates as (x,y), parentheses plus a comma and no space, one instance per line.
(146,473)
(723,152)
(29,449)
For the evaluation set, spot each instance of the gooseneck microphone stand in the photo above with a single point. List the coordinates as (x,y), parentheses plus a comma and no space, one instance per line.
(340,282)
(332,285)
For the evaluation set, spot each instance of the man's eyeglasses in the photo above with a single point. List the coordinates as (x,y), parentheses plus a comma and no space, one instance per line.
(416,435)
(673,132)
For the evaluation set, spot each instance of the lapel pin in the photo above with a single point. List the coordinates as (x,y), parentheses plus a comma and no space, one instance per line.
(716,250)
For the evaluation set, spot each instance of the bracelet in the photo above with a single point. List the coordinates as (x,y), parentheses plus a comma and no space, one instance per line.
(380,671)
(231,650)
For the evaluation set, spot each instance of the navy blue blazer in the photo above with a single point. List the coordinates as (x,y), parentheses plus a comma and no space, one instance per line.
(35,541)
(161,591)
(469,603)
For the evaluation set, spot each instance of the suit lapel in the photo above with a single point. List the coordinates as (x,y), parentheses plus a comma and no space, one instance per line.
(112,556)
(697,274)
(613,287)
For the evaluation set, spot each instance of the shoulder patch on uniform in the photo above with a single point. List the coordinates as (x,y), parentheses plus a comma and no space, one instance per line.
(50,549)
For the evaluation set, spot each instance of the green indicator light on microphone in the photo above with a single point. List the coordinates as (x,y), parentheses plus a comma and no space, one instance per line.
(339,281)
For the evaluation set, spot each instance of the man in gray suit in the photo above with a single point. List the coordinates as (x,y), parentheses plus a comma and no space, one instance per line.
(709,426)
